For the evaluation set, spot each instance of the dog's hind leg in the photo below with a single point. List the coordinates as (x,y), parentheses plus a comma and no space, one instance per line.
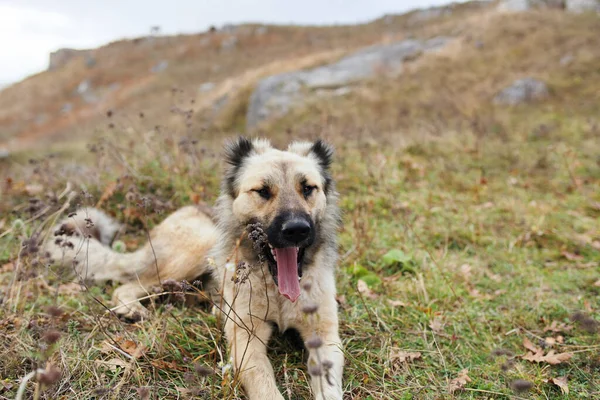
(127,303)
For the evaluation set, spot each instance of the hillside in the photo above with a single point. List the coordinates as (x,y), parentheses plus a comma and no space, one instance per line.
(469,175)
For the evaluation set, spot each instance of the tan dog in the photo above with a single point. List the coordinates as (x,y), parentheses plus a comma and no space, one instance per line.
(270,249)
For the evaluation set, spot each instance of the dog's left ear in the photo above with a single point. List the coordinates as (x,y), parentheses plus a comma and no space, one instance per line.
(324,154)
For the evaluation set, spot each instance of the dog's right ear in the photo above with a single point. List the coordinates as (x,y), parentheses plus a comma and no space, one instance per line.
(235,153)
(236,150)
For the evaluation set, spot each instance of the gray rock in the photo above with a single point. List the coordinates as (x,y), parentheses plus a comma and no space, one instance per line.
(4,153)
(430,13)
(515,5)
(61,57)
(522,91)
(275,95)
(40,119)
(84,89)
(566,60)
(160,67)
(66,108)
(261,30)
(581,6)
(229,43)
(90,61)
(84,86)
(206,87)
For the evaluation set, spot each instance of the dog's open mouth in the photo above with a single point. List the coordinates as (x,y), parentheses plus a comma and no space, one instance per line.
(285,266)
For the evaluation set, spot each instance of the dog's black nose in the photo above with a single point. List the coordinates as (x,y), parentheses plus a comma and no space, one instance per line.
(296,231)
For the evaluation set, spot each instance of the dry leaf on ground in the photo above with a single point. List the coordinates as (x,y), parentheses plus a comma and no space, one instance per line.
(112,364)
(572,256)
(437,325)
(561,382)
(556,326)
(396,303)
(364,289)
(460,381)
(401,357)
(536,354)
(167,365)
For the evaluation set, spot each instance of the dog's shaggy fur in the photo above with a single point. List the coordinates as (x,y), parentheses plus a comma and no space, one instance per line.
(275,223)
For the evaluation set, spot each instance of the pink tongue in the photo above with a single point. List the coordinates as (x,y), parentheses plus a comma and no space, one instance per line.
(287,272)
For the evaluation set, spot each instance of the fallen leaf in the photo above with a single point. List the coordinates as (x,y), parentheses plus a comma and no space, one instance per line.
(596,244)
(436,325)
(131,348)
(465,271)
(530,346)
(556,326)
(10,267)
(364,289)
(167,365)
(396,303)
(460,381)
(400,357)
(550,341)
(572,256)
(561,382)
(112,364)
(550,358)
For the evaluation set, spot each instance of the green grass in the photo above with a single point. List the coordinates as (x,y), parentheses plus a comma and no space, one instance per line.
(484,258)
(495,210)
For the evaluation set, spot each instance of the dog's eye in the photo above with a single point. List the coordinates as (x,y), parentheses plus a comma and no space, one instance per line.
(264,192)
(307,190)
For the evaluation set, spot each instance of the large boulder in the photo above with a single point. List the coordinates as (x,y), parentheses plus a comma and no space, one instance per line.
(277,94)
(522,91)
(525,5)
(580,6)
(61,57)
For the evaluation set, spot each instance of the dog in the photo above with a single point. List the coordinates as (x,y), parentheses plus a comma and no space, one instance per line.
(269,249)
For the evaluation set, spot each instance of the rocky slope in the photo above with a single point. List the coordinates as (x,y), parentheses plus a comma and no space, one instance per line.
(241,77)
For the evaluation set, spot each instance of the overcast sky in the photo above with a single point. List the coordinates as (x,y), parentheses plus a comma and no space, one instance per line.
(31,29)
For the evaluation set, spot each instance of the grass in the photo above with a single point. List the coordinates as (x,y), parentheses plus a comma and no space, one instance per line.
(474,227)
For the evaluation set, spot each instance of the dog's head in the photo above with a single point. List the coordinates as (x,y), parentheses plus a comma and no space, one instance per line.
(285,196)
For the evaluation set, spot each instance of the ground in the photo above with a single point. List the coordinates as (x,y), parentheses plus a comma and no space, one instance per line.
(469,250)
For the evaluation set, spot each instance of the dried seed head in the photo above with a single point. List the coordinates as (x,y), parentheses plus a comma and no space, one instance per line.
(314,342)
(202,370)
(54,311)
(310,308)
(49,376)
(143,392)
(189,377)
(52,336)
(315,370)
(502,352)
(521,385)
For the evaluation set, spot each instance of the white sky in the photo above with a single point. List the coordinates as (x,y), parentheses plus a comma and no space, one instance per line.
(31,29)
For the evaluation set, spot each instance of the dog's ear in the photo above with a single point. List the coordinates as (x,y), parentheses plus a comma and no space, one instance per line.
(238,149)
(235,153)
(323,152)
